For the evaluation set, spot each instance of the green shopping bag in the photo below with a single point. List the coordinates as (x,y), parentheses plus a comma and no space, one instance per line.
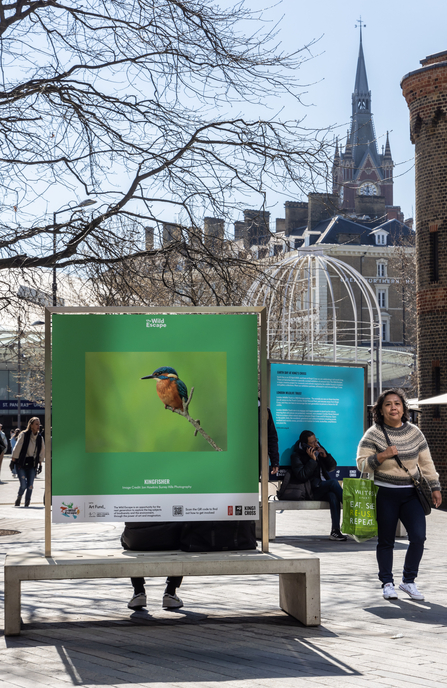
(359,508)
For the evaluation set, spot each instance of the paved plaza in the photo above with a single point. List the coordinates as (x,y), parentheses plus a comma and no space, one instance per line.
(230,631)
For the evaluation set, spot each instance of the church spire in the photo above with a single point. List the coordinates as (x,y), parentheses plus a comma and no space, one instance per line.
(363,138)
(387,154)
(361,81)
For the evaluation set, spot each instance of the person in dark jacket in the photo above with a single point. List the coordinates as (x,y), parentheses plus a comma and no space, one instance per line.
(311,462)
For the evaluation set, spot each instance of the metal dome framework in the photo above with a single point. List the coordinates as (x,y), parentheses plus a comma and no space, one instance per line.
(302,311)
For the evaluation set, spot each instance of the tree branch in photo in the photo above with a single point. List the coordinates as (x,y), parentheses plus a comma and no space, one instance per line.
(195,423)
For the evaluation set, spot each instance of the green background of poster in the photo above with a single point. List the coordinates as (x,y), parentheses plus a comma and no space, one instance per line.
(98,361)
(113,380)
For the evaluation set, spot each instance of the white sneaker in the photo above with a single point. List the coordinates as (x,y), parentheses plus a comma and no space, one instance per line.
(411,589)
(171,601)
(389,592)
(138,601)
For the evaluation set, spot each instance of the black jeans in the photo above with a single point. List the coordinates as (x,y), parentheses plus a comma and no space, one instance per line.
(330,491)
(394,504)
(138,583)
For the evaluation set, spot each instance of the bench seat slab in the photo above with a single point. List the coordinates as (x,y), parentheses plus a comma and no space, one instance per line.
(299,573)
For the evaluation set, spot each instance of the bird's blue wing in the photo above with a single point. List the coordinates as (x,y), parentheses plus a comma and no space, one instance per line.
(182,389)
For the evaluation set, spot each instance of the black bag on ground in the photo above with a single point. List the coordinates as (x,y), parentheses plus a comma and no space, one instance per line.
(151,537)
(218,536)
(293,492)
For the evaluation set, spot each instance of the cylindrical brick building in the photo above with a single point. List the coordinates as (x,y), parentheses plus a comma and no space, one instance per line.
(425,91)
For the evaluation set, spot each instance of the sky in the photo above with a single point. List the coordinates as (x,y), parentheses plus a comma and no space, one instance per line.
(398,34)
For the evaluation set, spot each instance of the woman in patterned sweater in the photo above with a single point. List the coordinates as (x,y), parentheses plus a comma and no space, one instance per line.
(396,496)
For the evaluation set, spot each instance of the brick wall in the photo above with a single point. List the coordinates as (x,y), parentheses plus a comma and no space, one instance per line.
(425,91)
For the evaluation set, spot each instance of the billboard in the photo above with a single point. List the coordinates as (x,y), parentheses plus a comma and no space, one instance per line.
(125,447)
(328,400)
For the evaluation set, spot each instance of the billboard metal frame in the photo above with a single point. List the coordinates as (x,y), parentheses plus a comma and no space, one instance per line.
(260,311)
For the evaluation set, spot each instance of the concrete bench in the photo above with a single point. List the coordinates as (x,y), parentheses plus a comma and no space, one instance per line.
(299,573)
(280,505)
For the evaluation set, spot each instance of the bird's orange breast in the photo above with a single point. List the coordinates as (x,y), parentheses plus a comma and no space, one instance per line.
(168,393)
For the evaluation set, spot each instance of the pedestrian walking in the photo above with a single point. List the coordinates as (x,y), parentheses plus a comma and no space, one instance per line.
(3,447)
(28,454)
(396,451)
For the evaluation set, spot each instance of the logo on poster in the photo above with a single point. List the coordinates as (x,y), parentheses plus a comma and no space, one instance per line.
(250,511)
(155,322)
(70,510)
(239,511)
(230,511)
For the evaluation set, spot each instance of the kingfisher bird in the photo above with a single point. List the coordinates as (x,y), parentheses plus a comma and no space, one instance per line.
(170,389)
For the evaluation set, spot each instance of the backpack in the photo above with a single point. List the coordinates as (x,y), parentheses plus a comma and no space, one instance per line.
(293,492)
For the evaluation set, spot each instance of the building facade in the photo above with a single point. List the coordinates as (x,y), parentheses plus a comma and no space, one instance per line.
(425,91)
(357,223)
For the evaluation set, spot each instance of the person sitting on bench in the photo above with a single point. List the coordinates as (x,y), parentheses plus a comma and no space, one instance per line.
(150,537)
(311,462)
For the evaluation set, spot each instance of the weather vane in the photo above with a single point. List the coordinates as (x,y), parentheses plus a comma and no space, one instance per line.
(361,25)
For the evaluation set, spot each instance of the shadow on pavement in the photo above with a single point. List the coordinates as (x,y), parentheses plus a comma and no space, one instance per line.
(410,610)
(135,650)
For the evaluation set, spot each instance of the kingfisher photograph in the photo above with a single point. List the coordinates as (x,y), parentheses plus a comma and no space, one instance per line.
(156,401)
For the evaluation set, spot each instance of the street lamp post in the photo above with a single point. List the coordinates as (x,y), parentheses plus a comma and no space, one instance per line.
(84,204)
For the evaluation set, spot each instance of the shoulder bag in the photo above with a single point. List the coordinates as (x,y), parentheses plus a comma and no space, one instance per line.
(293,492)
(417,483)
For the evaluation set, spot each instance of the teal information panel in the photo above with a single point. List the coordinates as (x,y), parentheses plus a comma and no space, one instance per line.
(326,400)
(118,453)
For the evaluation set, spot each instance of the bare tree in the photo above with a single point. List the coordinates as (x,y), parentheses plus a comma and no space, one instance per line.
(139,105)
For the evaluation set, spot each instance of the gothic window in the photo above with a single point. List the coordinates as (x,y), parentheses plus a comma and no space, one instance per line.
(362,104)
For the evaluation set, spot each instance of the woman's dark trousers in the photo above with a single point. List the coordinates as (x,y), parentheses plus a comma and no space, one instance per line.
(394,504)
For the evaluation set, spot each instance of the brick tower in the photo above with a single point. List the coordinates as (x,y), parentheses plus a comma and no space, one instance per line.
(425,91)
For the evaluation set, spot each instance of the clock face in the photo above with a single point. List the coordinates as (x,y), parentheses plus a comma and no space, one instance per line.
(368,189)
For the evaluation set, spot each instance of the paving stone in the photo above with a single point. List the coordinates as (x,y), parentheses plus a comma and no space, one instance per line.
(231,630)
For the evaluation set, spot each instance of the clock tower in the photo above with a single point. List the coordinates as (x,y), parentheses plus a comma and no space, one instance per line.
(360,169)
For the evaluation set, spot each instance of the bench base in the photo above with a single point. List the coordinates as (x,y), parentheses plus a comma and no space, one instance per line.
(299,573)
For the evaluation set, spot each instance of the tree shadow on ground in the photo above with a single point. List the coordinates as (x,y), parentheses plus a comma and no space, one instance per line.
(131,652)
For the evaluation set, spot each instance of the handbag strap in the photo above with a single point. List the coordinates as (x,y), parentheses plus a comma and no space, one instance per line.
(416,482)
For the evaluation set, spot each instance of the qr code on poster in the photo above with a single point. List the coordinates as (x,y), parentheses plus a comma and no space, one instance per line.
(177,511)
